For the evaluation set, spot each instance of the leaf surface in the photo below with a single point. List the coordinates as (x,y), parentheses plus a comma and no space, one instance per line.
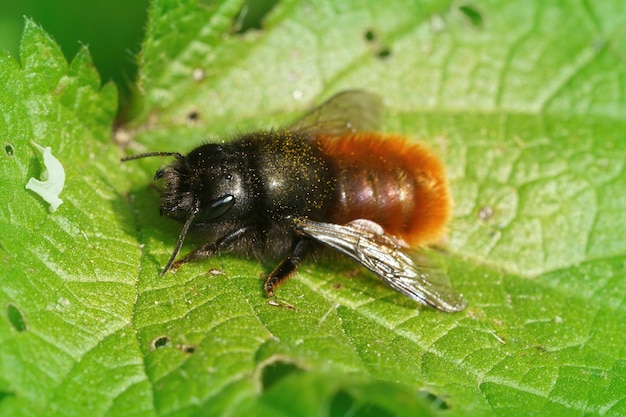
(524,101)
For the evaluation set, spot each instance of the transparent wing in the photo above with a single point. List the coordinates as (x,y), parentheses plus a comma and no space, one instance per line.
(346,112)
(366,242)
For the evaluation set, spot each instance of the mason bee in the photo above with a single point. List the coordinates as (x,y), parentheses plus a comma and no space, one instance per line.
(327,179)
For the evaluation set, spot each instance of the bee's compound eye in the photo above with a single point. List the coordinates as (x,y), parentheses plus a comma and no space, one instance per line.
(214,209)
(220,206)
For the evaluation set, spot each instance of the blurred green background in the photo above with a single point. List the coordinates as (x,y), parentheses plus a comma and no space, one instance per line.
(113,30)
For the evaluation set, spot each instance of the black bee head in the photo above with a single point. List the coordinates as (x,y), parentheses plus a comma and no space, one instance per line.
(202,184)
(200,187)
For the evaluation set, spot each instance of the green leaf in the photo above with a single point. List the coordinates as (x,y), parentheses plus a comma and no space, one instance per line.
(68,277)
(338,394)
(525,103)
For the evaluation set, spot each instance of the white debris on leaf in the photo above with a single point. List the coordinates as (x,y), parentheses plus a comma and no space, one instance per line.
(52,179)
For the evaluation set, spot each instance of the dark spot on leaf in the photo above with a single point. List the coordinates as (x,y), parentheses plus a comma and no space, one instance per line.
(193,116)
(384,52)
(8,149)
(6,394)
(276,370)
(485,213)
(435,401)
(369,35)
(378,48)
(188,349)
(159,342)
(252,14)
(15,317)
(344,404)
(472,14)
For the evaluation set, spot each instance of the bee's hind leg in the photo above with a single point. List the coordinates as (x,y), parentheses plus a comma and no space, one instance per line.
(288,266)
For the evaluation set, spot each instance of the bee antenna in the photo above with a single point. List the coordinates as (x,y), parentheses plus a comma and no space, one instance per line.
(181,239)
(148,154)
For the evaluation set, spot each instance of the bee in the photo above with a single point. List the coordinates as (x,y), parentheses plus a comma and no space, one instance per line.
(327,180)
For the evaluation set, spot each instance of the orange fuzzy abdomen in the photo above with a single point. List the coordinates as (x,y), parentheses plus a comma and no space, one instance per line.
(386,179)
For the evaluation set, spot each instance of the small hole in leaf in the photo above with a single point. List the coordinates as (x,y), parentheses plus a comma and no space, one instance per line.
(15,317)
(344,404)
(159,342)
(435,401)
(188,349)
(473,15)
(384,52)
(252,14)
(376,46)
(274,371)
(9,150)
(193,116)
